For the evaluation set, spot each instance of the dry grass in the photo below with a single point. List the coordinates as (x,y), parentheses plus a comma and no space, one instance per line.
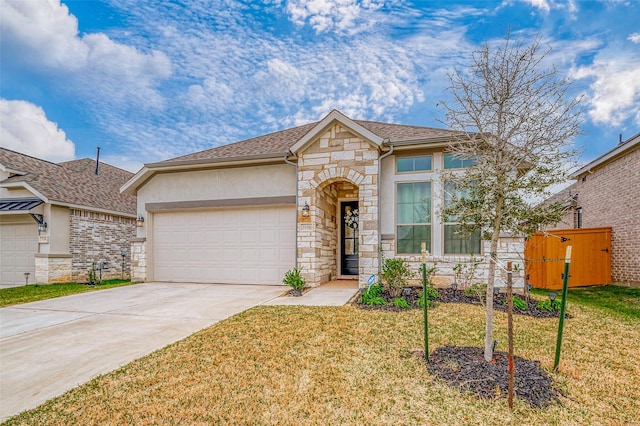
(330,366)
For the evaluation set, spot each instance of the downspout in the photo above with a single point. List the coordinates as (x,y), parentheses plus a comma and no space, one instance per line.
(291,163)
(386,154)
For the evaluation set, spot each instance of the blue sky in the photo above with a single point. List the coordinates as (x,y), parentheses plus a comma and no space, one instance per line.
(148,81)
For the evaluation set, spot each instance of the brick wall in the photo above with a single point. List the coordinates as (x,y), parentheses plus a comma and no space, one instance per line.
(96,237)
(609,197)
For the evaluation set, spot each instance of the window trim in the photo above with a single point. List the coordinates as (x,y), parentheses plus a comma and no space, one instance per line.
(444,224)
(444,167)
(395,215)
(413,171)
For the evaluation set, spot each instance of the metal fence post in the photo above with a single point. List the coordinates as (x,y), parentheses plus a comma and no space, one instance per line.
(563,306)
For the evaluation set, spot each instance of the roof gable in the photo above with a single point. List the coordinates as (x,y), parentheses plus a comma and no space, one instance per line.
(620,150)
(329,120)
(72,183)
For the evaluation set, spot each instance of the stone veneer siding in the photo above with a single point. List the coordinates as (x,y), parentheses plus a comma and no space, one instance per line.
(138,260)
(96,237)
(509,249)
(609,197)
(53,268)
(340,157)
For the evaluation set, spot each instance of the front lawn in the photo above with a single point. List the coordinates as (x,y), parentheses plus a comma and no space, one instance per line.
(334,366)
(32,293)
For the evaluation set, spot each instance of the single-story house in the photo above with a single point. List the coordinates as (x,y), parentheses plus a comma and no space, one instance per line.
(57,220)
(331,197)
(606,194)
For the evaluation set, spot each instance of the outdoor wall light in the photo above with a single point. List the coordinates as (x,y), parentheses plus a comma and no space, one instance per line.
(139,221)
(305,210)
(42,225)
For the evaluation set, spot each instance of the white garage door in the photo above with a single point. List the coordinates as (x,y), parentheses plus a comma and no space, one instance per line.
(18,246)
(231,246)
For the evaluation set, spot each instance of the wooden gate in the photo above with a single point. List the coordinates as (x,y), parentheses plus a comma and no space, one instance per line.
(590,259)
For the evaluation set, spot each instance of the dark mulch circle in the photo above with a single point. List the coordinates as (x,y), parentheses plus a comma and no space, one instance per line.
(465,368)
(447,295)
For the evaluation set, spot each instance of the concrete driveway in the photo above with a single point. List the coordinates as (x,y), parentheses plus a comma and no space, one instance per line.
(49,347)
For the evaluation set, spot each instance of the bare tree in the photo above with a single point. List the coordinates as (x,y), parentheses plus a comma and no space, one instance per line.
(516,122)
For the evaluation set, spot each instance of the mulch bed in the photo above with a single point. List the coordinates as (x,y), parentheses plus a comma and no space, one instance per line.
(447,295)
(465,368)
(296,293)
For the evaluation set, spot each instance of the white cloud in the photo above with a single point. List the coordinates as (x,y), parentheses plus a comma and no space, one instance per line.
(43,35)
(635,37)
(25,128)
(332,15)
(540,4)
(615,89)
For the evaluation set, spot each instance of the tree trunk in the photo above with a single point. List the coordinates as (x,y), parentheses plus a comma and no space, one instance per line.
(495,237)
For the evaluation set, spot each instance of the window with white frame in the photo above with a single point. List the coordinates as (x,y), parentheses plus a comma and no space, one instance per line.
(458,240)
(413,164)
(452,161)
(413,217)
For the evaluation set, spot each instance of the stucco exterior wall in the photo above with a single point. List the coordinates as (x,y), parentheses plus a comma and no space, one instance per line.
(609,196)
(219,184)
(97,237)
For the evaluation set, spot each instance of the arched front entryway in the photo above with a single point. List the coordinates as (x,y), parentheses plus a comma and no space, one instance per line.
(336,220)
(339,238)
(337,177)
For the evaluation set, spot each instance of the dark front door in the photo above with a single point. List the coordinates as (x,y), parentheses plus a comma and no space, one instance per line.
(350,228)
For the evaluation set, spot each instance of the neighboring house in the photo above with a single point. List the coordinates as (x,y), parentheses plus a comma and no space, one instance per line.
(568,198)
(330,197)
(56,220)
(608,195)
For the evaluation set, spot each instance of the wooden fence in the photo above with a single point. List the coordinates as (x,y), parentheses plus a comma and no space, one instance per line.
(590,260)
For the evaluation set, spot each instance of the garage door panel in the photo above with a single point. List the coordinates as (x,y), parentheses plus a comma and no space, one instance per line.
(244,245)
(18,246)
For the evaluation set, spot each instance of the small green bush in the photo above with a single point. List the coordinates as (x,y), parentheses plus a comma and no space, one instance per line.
(432,294)
(293,278)
(401,303)
(395,275)
(519,303)
(548,305)
(476,290)
(372,296)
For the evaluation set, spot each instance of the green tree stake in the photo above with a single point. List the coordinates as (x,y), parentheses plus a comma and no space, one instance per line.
(426,301)
(563,306)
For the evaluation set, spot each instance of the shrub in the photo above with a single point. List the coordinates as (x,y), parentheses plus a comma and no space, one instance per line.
(293,278)
(395,275)
(476,290)
(432,294)
(401,303)
(92,275)
(465,273)
(372,296)
(548,305)
(519,303)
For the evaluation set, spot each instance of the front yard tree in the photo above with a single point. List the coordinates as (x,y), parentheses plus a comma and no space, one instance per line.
(516,122)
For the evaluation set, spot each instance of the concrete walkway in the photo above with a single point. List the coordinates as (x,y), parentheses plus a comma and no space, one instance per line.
(51,346)
(334,293)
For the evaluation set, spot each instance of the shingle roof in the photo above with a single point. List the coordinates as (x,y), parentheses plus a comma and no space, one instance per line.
(72,182)
(280,142)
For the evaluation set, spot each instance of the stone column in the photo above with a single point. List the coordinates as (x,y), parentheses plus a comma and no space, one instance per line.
(138,260)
